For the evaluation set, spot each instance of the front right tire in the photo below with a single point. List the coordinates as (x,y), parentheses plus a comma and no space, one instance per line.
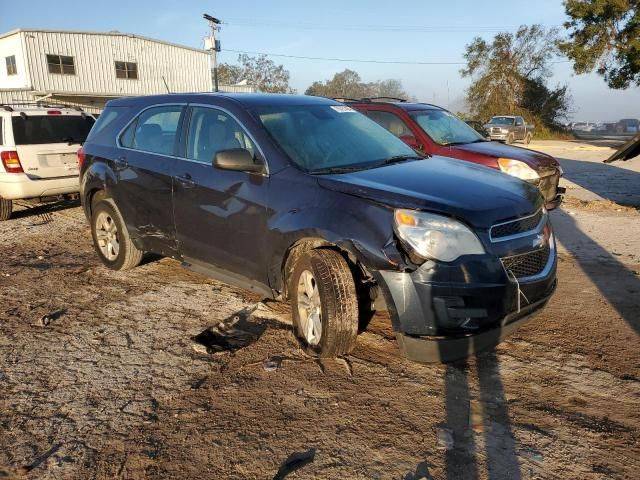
(6,207)
(111,238)
(324,303)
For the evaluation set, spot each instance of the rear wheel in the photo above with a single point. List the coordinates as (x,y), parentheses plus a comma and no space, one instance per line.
(6,207)
(111,238)
(324,303)
(527,139)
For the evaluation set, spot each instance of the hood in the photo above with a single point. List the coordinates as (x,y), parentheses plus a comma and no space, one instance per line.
(627,151)
(496,149)
(478,195)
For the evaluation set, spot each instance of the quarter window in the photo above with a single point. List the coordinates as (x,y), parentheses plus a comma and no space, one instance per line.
(61,64)
(128,70)
(211,131)
(12,68)
(390,121)
(155,130)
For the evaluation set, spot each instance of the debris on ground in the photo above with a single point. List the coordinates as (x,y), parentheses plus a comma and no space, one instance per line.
(229,335)
(444,436)
(272,363)
(47,318)
(295,461)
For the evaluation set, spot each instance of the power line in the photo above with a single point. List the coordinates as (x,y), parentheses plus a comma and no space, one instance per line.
(353,60)
(377,28)
(356,60)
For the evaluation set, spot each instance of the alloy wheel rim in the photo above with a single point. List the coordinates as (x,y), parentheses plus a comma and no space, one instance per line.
(309,308)
(107,236)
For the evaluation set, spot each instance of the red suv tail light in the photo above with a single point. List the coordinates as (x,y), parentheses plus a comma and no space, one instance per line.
(11,162)
(81,156)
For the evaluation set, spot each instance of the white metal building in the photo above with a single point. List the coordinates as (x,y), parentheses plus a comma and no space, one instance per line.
(88,68)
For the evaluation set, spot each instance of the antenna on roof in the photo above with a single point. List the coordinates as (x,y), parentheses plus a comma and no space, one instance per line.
(165,84)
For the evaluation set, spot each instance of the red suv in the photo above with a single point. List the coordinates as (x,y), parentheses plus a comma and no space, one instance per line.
(436,131)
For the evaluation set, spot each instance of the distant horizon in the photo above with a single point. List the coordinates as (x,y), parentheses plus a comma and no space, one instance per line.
(411,32)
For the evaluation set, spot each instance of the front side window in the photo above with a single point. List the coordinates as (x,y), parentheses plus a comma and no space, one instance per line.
(128,70)
(61,64)
(390,121)
(40,129)
(12,68)
(154,131)
(445,128)
(320,137)
(211,131)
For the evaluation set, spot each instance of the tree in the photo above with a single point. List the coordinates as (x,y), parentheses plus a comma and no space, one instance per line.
(259,72)
(348,84)
(604,35)
(509,76)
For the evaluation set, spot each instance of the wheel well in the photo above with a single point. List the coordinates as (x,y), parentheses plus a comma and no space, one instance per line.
(94,196)
(366,287)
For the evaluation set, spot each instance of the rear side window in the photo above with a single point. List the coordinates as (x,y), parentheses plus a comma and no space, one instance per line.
(390,121)
(154,131)
(40,129)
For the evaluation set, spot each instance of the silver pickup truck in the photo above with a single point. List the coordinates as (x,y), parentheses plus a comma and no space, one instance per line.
(508,129)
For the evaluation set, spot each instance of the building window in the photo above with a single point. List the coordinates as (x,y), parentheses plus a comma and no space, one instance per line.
(12,69)
(61,64)
(127,70)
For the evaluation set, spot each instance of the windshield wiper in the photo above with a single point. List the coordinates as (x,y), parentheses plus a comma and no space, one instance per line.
(451,144)
(71,141)
(330,170)
(402,158)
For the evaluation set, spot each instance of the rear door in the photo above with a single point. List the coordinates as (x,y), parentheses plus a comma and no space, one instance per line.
(47,141)
(143,167)
(220,214)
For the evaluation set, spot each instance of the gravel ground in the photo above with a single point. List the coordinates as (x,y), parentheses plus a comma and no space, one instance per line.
(100,376)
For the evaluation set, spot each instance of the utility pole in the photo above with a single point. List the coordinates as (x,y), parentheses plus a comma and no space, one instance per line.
(213,46)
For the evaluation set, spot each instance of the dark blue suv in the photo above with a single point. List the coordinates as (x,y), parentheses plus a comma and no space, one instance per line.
(303,198)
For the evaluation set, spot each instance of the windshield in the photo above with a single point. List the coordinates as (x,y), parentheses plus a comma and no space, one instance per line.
(37,129)
(445,128)
(321,137)
(501,121)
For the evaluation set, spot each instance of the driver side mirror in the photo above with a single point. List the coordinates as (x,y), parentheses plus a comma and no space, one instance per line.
(238,159)
(411,141)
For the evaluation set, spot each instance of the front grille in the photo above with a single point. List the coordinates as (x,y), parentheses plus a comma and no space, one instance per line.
(521,225)
(527,264)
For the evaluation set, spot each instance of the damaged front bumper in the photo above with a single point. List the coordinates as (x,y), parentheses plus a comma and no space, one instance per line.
(445,312)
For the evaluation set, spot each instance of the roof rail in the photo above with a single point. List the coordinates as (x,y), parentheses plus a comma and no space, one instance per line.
(384,99)
(9,107)
(345,99)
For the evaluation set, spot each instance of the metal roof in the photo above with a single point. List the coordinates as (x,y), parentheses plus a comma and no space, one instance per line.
(113,34)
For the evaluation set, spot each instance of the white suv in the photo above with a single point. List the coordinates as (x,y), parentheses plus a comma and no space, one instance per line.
(38,151)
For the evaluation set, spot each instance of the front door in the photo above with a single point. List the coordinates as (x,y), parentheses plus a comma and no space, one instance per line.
(220,215)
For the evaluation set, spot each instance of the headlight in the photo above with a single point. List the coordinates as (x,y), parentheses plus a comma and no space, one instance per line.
(519,169)
(436,237)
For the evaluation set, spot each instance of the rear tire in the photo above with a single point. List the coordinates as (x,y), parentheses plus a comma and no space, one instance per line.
(111,238)
(527,139)
(324,303)
(6,207)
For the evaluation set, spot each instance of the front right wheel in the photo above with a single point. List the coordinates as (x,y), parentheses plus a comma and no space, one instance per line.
(324,303)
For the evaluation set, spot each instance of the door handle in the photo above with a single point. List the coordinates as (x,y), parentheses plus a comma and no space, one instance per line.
(186,181)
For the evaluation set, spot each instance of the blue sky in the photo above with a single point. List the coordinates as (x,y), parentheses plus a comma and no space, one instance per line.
(405,30)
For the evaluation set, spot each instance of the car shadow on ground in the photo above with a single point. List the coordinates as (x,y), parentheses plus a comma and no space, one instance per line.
(618,293)
(40,213)
(608,181)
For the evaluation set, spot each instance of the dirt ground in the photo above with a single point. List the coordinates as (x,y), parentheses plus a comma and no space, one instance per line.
(100,376)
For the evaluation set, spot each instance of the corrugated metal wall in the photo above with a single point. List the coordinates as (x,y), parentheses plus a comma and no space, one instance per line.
(184,69)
